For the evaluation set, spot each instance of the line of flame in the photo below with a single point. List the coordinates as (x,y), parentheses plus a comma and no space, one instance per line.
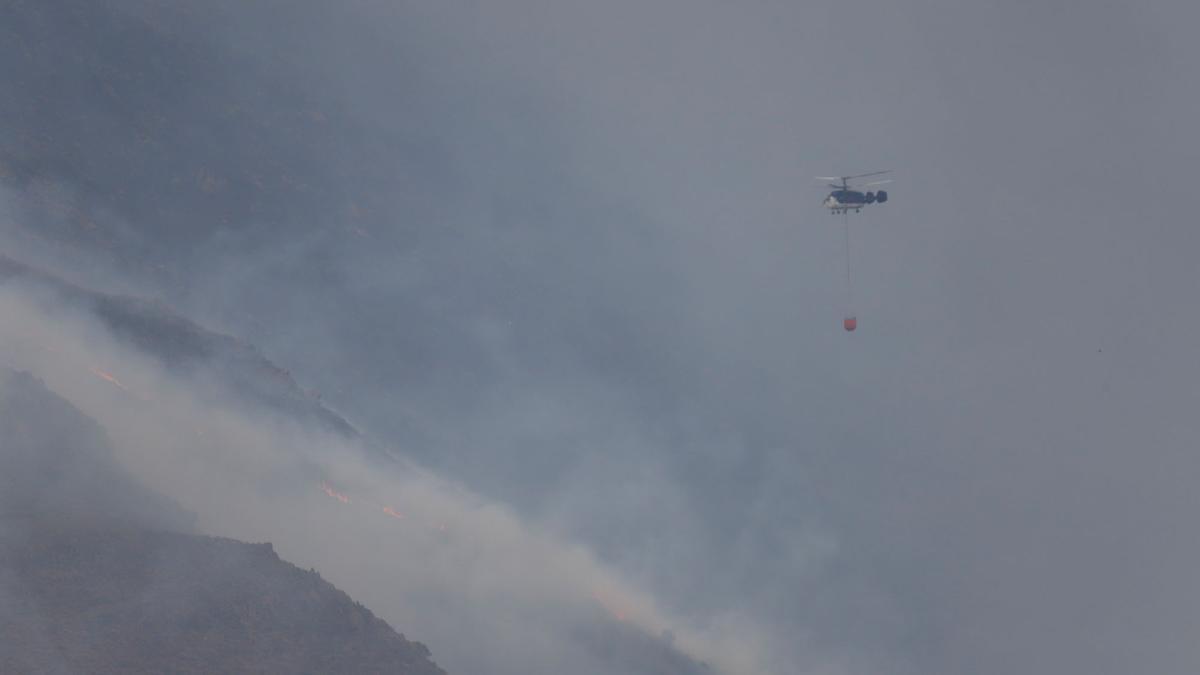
(107,377)
(334,493)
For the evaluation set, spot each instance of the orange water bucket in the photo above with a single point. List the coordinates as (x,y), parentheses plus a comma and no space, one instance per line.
(850,323)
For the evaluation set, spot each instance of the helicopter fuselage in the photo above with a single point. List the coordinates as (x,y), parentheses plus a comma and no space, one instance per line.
(844,201)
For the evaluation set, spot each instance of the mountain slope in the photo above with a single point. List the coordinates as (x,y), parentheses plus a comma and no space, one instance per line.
(93,581)
(140,601)
(56,463)
(186,347)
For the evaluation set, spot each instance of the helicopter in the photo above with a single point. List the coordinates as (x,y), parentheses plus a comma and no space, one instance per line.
(843,199)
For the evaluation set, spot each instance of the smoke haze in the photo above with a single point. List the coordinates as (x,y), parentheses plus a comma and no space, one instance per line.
(567,260)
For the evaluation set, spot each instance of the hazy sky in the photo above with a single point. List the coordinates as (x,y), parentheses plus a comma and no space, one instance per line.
(598,287)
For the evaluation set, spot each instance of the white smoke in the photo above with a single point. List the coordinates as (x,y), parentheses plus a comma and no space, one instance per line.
(486,591)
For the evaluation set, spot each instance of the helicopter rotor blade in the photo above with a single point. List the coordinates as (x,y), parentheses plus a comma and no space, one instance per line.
(878,182)
(864,175)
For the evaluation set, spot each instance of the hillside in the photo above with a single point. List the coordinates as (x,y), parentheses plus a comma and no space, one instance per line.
(185,347)
(138,601)
(175,147)
(56,463)
(223,165)
(93,581)
(130,130)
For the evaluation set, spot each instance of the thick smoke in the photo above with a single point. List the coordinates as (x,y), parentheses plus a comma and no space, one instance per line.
(487,592)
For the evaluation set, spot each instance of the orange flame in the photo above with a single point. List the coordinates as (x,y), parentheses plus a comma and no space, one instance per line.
(393,513)
(108,377)
(334,493)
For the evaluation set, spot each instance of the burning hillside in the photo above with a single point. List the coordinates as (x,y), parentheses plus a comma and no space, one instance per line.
(186,347)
